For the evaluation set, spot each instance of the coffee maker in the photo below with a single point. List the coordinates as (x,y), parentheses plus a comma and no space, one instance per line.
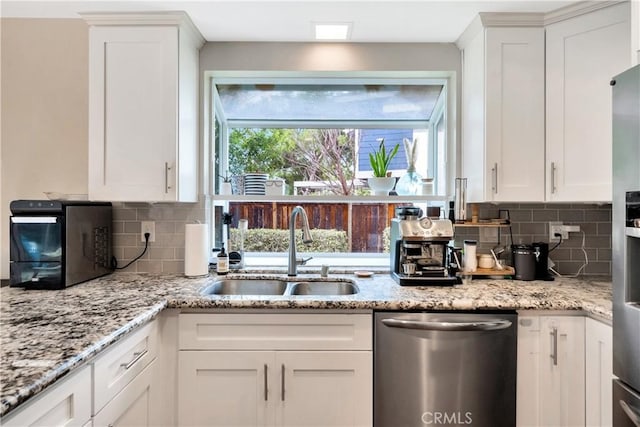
(420,253)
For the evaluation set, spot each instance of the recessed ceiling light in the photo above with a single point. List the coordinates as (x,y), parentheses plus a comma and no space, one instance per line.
(332,31)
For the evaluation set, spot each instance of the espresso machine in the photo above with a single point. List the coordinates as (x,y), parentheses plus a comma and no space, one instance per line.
(420,252)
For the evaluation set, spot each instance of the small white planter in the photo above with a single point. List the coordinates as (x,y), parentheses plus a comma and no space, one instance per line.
(381,186)
(225,188)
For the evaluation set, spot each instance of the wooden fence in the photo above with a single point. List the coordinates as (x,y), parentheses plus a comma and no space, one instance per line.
(364,223)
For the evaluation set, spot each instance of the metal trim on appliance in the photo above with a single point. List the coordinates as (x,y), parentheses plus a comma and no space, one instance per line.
(34,219)
(486,325)
(632,413)
(632,232)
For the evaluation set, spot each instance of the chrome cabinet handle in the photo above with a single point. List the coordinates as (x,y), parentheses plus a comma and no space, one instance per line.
(167,168)
(266,389)
(282,383)
(136,356)
(494,175)
(631,412)
(487,325)
(554,346)
(553,177)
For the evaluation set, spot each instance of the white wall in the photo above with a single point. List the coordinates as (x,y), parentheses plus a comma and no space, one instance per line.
(330,56)
(44,112)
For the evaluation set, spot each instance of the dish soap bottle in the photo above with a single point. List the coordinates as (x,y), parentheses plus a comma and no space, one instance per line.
(223,262)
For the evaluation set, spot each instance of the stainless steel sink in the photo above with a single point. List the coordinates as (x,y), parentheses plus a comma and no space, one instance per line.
(324,288)
(246,287)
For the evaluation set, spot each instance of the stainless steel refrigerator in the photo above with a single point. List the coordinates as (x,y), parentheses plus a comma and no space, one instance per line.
(626,248)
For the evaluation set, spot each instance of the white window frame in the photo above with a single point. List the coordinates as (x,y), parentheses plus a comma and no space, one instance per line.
(446,103)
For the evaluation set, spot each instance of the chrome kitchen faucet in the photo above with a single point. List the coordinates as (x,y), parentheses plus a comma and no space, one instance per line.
(306,238)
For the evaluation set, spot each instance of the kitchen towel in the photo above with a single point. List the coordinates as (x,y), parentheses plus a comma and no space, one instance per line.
(196,250)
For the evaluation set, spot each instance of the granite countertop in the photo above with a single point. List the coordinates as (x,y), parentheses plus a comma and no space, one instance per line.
(46,334)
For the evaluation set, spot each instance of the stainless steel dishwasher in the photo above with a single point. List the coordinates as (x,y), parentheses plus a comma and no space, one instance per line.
(445,369)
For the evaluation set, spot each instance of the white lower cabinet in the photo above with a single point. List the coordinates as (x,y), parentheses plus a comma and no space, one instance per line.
(133,406)
(67,403)
(562,371)
(551,371)
(281,376)
(252,388)
(599,373)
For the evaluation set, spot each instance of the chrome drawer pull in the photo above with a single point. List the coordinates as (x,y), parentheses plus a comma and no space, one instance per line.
(136,356)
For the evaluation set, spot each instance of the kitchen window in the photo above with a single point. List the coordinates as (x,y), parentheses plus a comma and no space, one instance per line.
(269,125)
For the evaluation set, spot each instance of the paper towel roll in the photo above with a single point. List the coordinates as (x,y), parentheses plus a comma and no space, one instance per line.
(196,250)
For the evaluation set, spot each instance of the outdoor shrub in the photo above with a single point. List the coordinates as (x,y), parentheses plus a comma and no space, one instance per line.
(269,240)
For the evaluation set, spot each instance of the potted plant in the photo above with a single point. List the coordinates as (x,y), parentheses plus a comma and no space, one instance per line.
(225,185)
(382,181)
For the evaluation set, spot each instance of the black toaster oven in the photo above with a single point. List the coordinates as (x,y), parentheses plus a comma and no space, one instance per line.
(55,244)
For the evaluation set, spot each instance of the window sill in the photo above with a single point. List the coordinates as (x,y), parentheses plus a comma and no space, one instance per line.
(330,199)
(340,260)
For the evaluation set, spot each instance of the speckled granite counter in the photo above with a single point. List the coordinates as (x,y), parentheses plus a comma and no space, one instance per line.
(46,334)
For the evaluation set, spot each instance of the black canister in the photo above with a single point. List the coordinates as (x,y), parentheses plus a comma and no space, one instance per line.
(524,261)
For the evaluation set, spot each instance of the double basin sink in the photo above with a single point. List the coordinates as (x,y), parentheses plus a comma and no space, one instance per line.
(293,286)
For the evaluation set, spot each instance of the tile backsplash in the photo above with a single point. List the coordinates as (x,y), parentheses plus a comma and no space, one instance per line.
(530,223)
(166,254)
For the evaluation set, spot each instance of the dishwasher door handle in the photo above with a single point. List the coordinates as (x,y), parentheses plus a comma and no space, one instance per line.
(630,412)
(484,325)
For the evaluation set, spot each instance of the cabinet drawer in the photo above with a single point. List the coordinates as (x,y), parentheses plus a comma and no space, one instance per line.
(259,331)
(133,405)
(66,403)
(116,368)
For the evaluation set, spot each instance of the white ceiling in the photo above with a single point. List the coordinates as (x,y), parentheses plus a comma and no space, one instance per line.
(291,20)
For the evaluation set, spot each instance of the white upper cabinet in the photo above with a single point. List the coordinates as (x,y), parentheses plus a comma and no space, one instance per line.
(143,107)
(583,54)
(503,112)
(536,103)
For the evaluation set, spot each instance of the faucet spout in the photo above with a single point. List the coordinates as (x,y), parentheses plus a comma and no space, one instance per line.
(306,237)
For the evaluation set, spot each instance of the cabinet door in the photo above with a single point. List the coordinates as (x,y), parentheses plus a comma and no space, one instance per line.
(528,399)
(133,90)
(562,392)
(514,100)
(226,388)
(324,388)
(133,406)
(67,403)
(583,53)
(599,373)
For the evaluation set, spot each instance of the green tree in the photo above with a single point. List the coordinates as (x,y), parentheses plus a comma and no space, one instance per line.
(326,155)
(296,155)
(263,151)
